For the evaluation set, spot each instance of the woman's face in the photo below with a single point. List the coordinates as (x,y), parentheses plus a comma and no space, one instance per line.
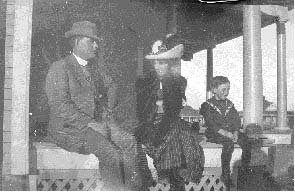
(161,67)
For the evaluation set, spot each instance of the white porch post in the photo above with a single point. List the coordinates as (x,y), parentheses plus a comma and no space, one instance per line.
(171,28)
(172,17)
(281,77)
(209,72)
(281,134)
(16,92)
(140,59)
(252,66)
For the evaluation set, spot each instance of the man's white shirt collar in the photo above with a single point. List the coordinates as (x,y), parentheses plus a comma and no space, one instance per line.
(80,60)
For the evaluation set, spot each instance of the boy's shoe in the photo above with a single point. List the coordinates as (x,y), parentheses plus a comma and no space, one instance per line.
(231,184)
(247,170)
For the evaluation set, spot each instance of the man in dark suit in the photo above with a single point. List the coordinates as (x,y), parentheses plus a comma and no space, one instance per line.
(77,96)
(168,139)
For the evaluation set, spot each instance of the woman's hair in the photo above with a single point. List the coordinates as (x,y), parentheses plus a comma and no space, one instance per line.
(218,80)
(169,61)
(172,63)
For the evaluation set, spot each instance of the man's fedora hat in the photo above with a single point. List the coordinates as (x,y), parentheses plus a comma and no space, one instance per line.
(83,28)
(160,51)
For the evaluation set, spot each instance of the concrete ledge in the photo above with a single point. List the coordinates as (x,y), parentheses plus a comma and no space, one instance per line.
(212,151)
(279,138)
(50,156)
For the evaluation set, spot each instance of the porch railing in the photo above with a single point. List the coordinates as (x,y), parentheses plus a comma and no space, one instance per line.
(269,120)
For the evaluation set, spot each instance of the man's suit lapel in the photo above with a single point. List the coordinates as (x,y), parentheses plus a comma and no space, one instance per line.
(78,72)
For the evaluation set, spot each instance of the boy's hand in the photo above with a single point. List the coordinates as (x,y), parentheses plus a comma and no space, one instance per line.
(226,133)
(236,136)
(230,135)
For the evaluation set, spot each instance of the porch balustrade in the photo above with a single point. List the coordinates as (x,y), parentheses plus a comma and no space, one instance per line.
(269,120)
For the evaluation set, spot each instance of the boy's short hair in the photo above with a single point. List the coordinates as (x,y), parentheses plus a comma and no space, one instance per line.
(218,80)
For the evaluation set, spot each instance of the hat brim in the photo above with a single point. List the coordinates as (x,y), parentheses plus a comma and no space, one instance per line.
(69,34)
(175,52)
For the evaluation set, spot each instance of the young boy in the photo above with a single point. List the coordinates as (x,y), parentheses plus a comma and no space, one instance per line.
(223,126)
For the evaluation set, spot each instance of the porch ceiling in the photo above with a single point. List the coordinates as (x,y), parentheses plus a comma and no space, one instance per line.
(199,25)
(203,26)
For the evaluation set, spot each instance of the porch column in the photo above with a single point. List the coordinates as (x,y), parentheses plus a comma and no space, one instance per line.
(172,17)
(209,72)
(16,94)
(171,28)
(252,66)
(281,77)
(140,59)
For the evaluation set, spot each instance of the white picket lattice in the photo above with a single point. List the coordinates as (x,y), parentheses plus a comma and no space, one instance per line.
(207,183)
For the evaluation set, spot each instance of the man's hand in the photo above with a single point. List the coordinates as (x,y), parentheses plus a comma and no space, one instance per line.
(112,124)
(129,125)
(107,114)
(101,128)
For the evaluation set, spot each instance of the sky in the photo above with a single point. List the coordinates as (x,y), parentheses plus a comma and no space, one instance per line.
(229,55)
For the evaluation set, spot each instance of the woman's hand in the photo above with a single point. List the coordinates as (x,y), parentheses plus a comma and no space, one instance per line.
(236,136)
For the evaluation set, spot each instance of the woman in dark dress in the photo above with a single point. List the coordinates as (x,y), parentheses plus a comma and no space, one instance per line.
(169,140)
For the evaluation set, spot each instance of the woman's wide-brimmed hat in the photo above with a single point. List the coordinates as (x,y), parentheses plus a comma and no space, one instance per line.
(83,28)
(160,51)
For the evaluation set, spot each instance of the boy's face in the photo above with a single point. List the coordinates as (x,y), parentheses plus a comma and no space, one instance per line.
(222,91)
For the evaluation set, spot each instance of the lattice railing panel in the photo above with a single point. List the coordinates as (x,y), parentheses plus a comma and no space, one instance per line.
(69,180)
(207,183)
(69,184)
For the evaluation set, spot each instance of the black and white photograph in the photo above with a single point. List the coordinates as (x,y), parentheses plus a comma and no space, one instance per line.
(147,95)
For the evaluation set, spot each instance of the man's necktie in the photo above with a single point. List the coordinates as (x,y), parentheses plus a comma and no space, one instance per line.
(87,73)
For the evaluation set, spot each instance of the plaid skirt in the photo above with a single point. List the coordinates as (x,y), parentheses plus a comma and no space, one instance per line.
(179,149)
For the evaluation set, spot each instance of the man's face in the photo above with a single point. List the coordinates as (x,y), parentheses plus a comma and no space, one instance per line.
(161,67)
(86,48)
(222,91)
